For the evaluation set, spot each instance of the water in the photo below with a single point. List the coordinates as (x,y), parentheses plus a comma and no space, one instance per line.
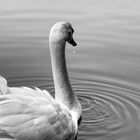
(104,69)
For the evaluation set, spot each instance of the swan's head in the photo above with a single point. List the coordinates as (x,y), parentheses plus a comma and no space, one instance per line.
(62,32)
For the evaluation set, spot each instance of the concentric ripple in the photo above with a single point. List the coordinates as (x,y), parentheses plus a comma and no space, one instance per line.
(111,110)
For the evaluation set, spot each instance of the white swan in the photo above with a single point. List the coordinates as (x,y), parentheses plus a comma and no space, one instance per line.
(33,114)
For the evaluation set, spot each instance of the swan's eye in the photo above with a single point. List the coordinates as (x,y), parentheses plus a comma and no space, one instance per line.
(69,34)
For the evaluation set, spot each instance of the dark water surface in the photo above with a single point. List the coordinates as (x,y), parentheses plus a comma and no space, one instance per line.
(104,69)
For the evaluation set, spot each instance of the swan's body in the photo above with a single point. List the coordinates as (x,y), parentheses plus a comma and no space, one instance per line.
(33,114)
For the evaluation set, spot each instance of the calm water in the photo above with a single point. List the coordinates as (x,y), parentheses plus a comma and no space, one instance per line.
(104,69)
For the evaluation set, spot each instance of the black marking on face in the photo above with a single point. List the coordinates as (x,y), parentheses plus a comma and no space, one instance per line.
(72,30)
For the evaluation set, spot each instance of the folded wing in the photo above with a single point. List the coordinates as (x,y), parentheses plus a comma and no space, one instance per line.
(33,118)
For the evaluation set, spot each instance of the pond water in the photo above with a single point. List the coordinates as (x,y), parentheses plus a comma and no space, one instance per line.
(104,69)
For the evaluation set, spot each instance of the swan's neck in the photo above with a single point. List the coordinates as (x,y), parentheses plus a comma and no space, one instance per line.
(63,89)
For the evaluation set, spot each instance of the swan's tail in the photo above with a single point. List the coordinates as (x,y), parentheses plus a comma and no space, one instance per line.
(3,86)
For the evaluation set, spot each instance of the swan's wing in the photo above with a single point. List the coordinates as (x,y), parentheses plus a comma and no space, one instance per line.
(26,91)
(29,118)
(3,86)
(36,92)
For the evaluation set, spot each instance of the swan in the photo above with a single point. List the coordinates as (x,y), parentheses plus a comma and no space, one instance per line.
(33,114)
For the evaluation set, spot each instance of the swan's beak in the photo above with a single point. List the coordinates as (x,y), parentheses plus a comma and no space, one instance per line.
(72,42)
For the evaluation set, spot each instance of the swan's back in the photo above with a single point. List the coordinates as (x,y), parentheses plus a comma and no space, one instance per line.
(33,114)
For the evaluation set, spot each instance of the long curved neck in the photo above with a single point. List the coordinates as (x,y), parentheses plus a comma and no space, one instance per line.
(63,89)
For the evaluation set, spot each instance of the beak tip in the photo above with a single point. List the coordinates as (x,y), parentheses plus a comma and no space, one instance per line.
(74,44)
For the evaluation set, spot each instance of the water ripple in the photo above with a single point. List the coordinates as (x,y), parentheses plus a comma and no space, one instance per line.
(110,110)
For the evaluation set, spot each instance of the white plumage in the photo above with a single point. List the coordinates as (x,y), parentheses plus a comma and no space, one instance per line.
(33,114)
